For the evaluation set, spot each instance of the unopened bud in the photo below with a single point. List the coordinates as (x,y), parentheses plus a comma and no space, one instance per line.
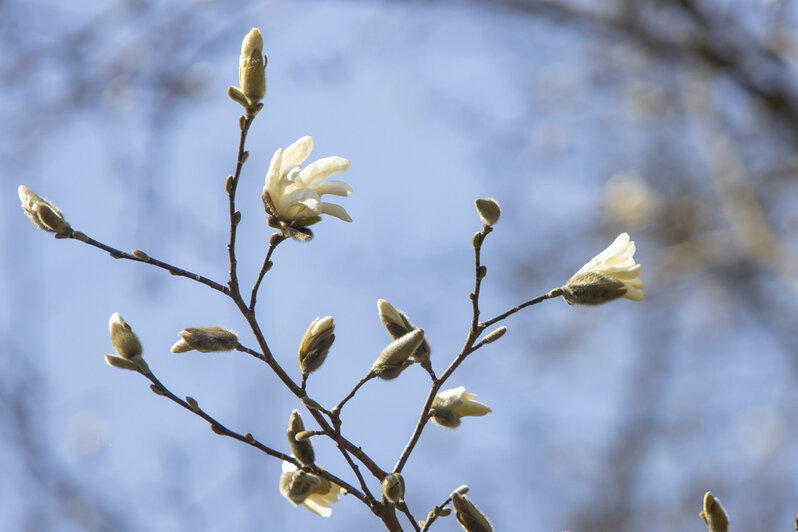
(304,435)
(193,404)
(393,359)
(206,339)
(42,213)
(140,255)
(393,487)
(251,67)
(494,335)
(119,362)
(443,512)
(125,341)
(398,324)
(310,403)
(302,450)
(713,514)
(316,344)
(489,210)
(469,516)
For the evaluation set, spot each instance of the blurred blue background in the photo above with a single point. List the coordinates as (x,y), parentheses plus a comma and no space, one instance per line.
(675,121)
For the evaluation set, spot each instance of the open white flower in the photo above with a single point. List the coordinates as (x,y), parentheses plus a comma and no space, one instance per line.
(314,493)
(450,405)
(611,274)
(293,193)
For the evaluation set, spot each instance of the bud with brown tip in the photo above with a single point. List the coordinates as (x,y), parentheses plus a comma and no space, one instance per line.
(301,449)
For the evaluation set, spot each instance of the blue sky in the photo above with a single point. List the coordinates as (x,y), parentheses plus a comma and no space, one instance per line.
(434,106)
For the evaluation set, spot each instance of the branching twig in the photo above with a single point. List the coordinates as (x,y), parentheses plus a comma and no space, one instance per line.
(159,388)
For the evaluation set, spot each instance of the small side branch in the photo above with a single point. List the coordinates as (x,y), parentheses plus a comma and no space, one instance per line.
(140,256)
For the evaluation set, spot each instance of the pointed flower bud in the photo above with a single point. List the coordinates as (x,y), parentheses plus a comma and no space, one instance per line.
(125,341)
(611,274)
(494,335)
(394,358)
(301,449)
(316,344)
(393,487)
(314,493)
(42,213)
(451,405)
(252,67)
(469,516)
(713,514)
(489,210)
(206,339)
(397,324)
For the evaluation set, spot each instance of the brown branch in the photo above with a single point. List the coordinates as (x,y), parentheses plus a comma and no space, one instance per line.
(143,257)
(218,428)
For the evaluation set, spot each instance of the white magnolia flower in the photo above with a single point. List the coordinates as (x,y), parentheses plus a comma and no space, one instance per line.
(294,193)
(319,498)
(611,274)
(450,405)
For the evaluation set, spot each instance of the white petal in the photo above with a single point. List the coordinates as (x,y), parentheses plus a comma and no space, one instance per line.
(336,188)
(323,168)
(317,508)
(296,153)
(273,176)
(335,210)
(295,204)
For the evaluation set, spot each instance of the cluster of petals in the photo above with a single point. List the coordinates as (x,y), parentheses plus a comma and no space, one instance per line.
(616,263)
(294,193)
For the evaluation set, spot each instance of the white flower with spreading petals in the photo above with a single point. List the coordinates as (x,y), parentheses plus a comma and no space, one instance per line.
(611,274)
(450,405)
(323,494)
(293,193)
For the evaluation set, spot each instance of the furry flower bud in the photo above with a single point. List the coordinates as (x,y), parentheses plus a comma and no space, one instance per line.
(316,344)
(394,358)
(303,449)
(469,516)
(713,514)
(42,213)
(393,487)
(206,339)
(397,324)
(488,210)
(126,343)
(252,67)
(451,405)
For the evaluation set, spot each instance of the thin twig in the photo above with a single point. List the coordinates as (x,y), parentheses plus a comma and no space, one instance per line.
(405,510)
(337,408)
(434,514)
(142,257)
(235,216)
(274,241)
(534,301)
(218,428)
